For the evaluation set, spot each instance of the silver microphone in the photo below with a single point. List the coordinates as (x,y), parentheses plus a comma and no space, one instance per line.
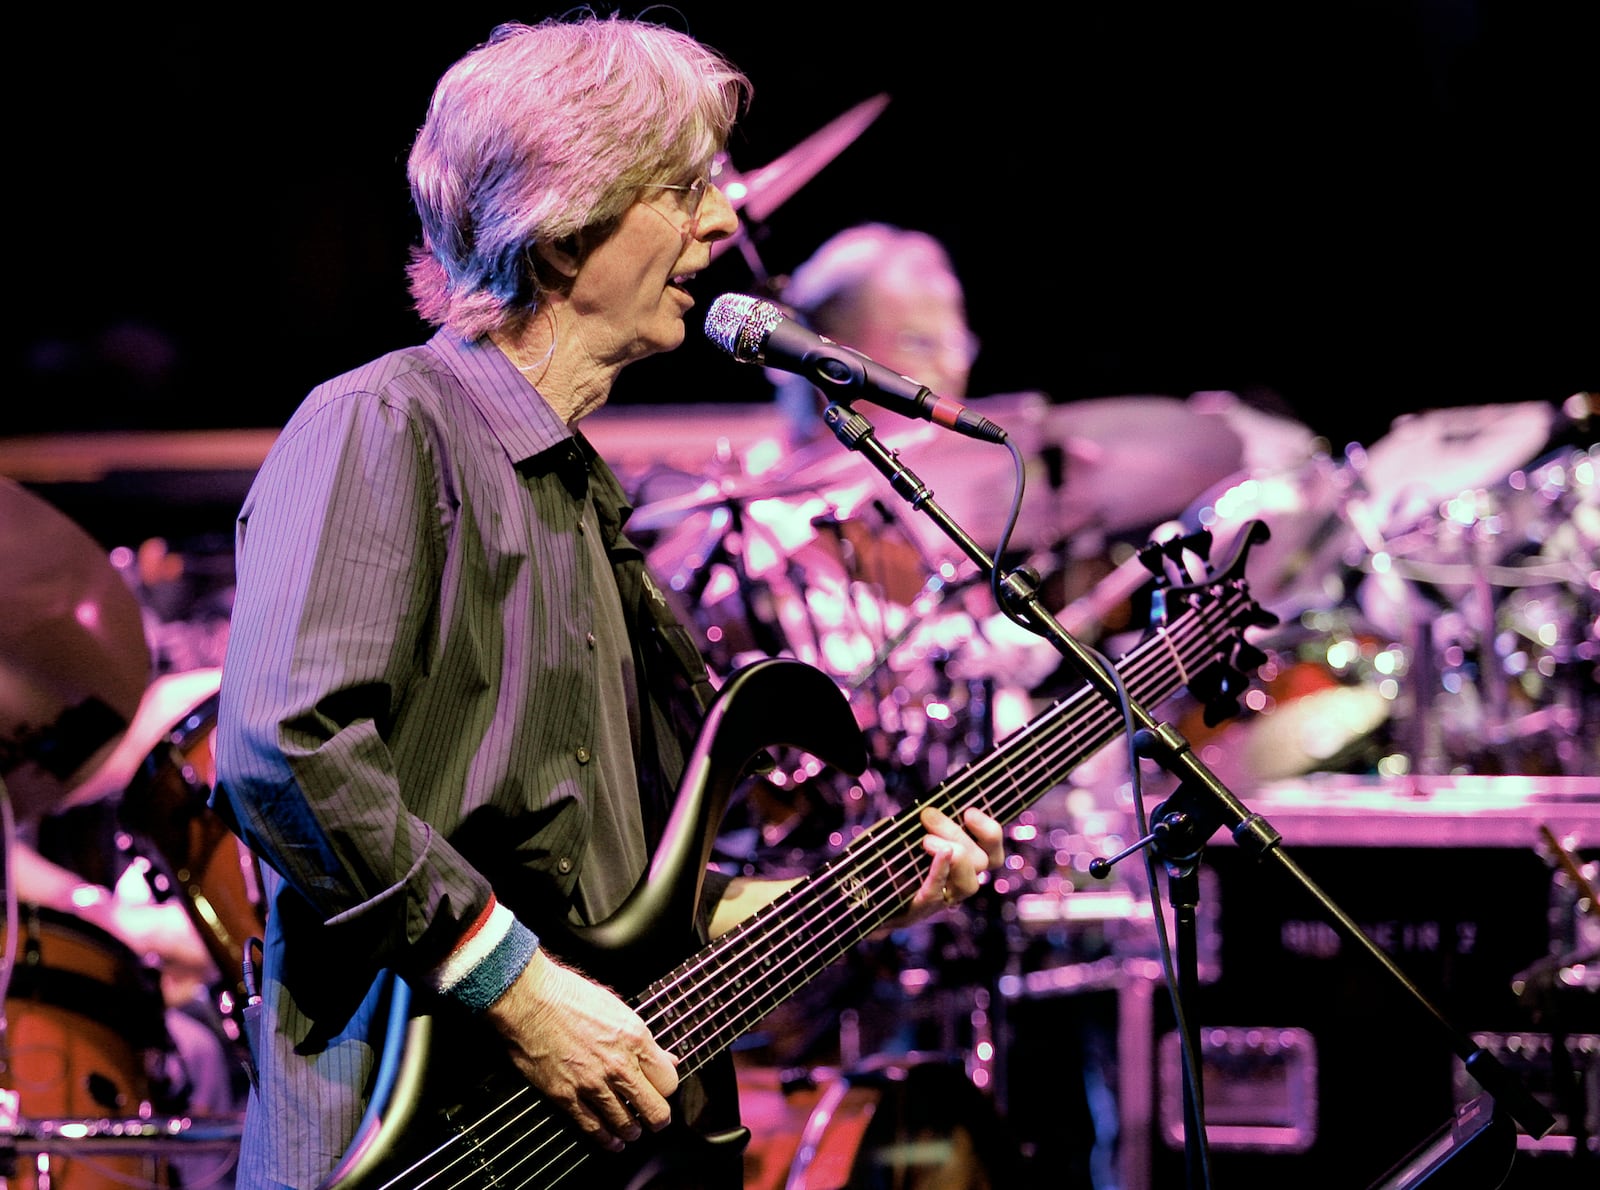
(754,331)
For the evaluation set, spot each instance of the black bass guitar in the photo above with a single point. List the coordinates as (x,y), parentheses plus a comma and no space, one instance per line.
(438,1127)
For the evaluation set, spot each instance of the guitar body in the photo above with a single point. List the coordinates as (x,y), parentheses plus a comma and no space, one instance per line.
(432,1097)
(446,1116)
(453,1077)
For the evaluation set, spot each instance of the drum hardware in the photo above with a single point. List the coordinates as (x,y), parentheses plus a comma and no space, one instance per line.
(166,806)
(95,1152)
(1494,597)
(939,587)
(728,551)
(132,1136)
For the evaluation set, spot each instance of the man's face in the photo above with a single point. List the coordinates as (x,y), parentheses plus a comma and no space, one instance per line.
(916,324)
(630,286)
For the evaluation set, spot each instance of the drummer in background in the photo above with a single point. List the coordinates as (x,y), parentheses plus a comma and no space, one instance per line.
(892,294)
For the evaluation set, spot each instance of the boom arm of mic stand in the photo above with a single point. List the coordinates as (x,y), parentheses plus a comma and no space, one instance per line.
(1207,803)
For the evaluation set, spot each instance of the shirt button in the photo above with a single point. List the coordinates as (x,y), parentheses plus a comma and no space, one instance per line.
(589,637)
(564,865)
(583,756)
(582,529)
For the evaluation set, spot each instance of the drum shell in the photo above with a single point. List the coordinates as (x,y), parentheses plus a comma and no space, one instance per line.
(1316,704)
(85,1028)
(905,1121)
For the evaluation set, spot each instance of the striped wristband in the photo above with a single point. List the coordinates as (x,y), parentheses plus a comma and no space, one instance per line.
(488,961)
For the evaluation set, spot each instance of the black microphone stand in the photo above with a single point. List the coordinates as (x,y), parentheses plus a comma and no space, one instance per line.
(1199,807)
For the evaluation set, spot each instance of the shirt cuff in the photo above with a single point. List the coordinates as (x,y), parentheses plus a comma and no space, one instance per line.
(495,951)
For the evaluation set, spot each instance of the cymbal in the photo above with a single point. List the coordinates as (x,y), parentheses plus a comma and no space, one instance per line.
(1119,464)
(812,471)
(1429,457)
(1132,462)
(74,662)
(756,194)
(1107,464)
(1273,441)
(770,186)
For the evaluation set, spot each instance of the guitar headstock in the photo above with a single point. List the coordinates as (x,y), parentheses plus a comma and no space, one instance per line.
(1175,561)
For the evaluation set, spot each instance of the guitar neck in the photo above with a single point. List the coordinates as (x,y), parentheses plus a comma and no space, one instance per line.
(494,1123)
(701,1007)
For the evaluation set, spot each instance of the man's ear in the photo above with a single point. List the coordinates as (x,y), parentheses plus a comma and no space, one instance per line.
(563,255)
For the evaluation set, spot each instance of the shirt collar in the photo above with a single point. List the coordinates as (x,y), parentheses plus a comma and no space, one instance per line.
(526,427)
(520,419)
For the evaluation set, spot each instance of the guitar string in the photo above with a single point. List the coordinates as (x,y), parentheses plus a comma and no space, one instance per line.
(1144,668)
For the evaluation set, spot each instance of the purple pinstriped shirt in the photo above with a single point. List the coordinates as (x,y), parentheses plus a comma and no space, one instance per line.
(409,710)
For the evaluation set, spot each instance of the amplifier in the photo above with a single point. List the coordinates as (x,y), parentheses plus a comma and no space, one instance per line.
(1321,1070)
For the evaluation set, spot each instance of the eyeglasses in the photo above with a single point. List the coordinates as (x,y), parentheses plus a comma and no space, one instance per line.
(963,344)
(692,193)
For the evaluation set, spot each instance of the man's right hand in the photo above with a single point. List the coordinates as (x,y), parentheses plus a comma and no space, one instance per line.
(584,1048)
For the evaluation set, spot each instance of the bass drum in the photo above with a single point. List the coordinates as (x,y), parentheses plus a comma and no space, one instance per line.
(85,1029)
(906,1122)
(165,805)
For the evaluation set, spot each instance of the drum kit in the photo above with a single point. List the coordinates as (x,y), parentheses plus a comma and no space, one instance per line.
(1436,592)
(1438,597)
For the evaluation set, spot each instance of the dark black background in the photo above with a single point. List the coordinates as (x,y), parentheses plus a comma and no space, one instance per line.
(1362,208)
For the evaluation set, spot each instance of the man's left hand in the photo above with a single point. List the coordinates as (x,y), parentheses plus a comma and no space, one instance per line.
(963,853)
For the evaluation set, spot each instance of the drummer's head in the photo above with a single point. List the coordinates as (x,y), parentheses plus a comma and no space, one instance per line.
(893,295)
(536,144)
